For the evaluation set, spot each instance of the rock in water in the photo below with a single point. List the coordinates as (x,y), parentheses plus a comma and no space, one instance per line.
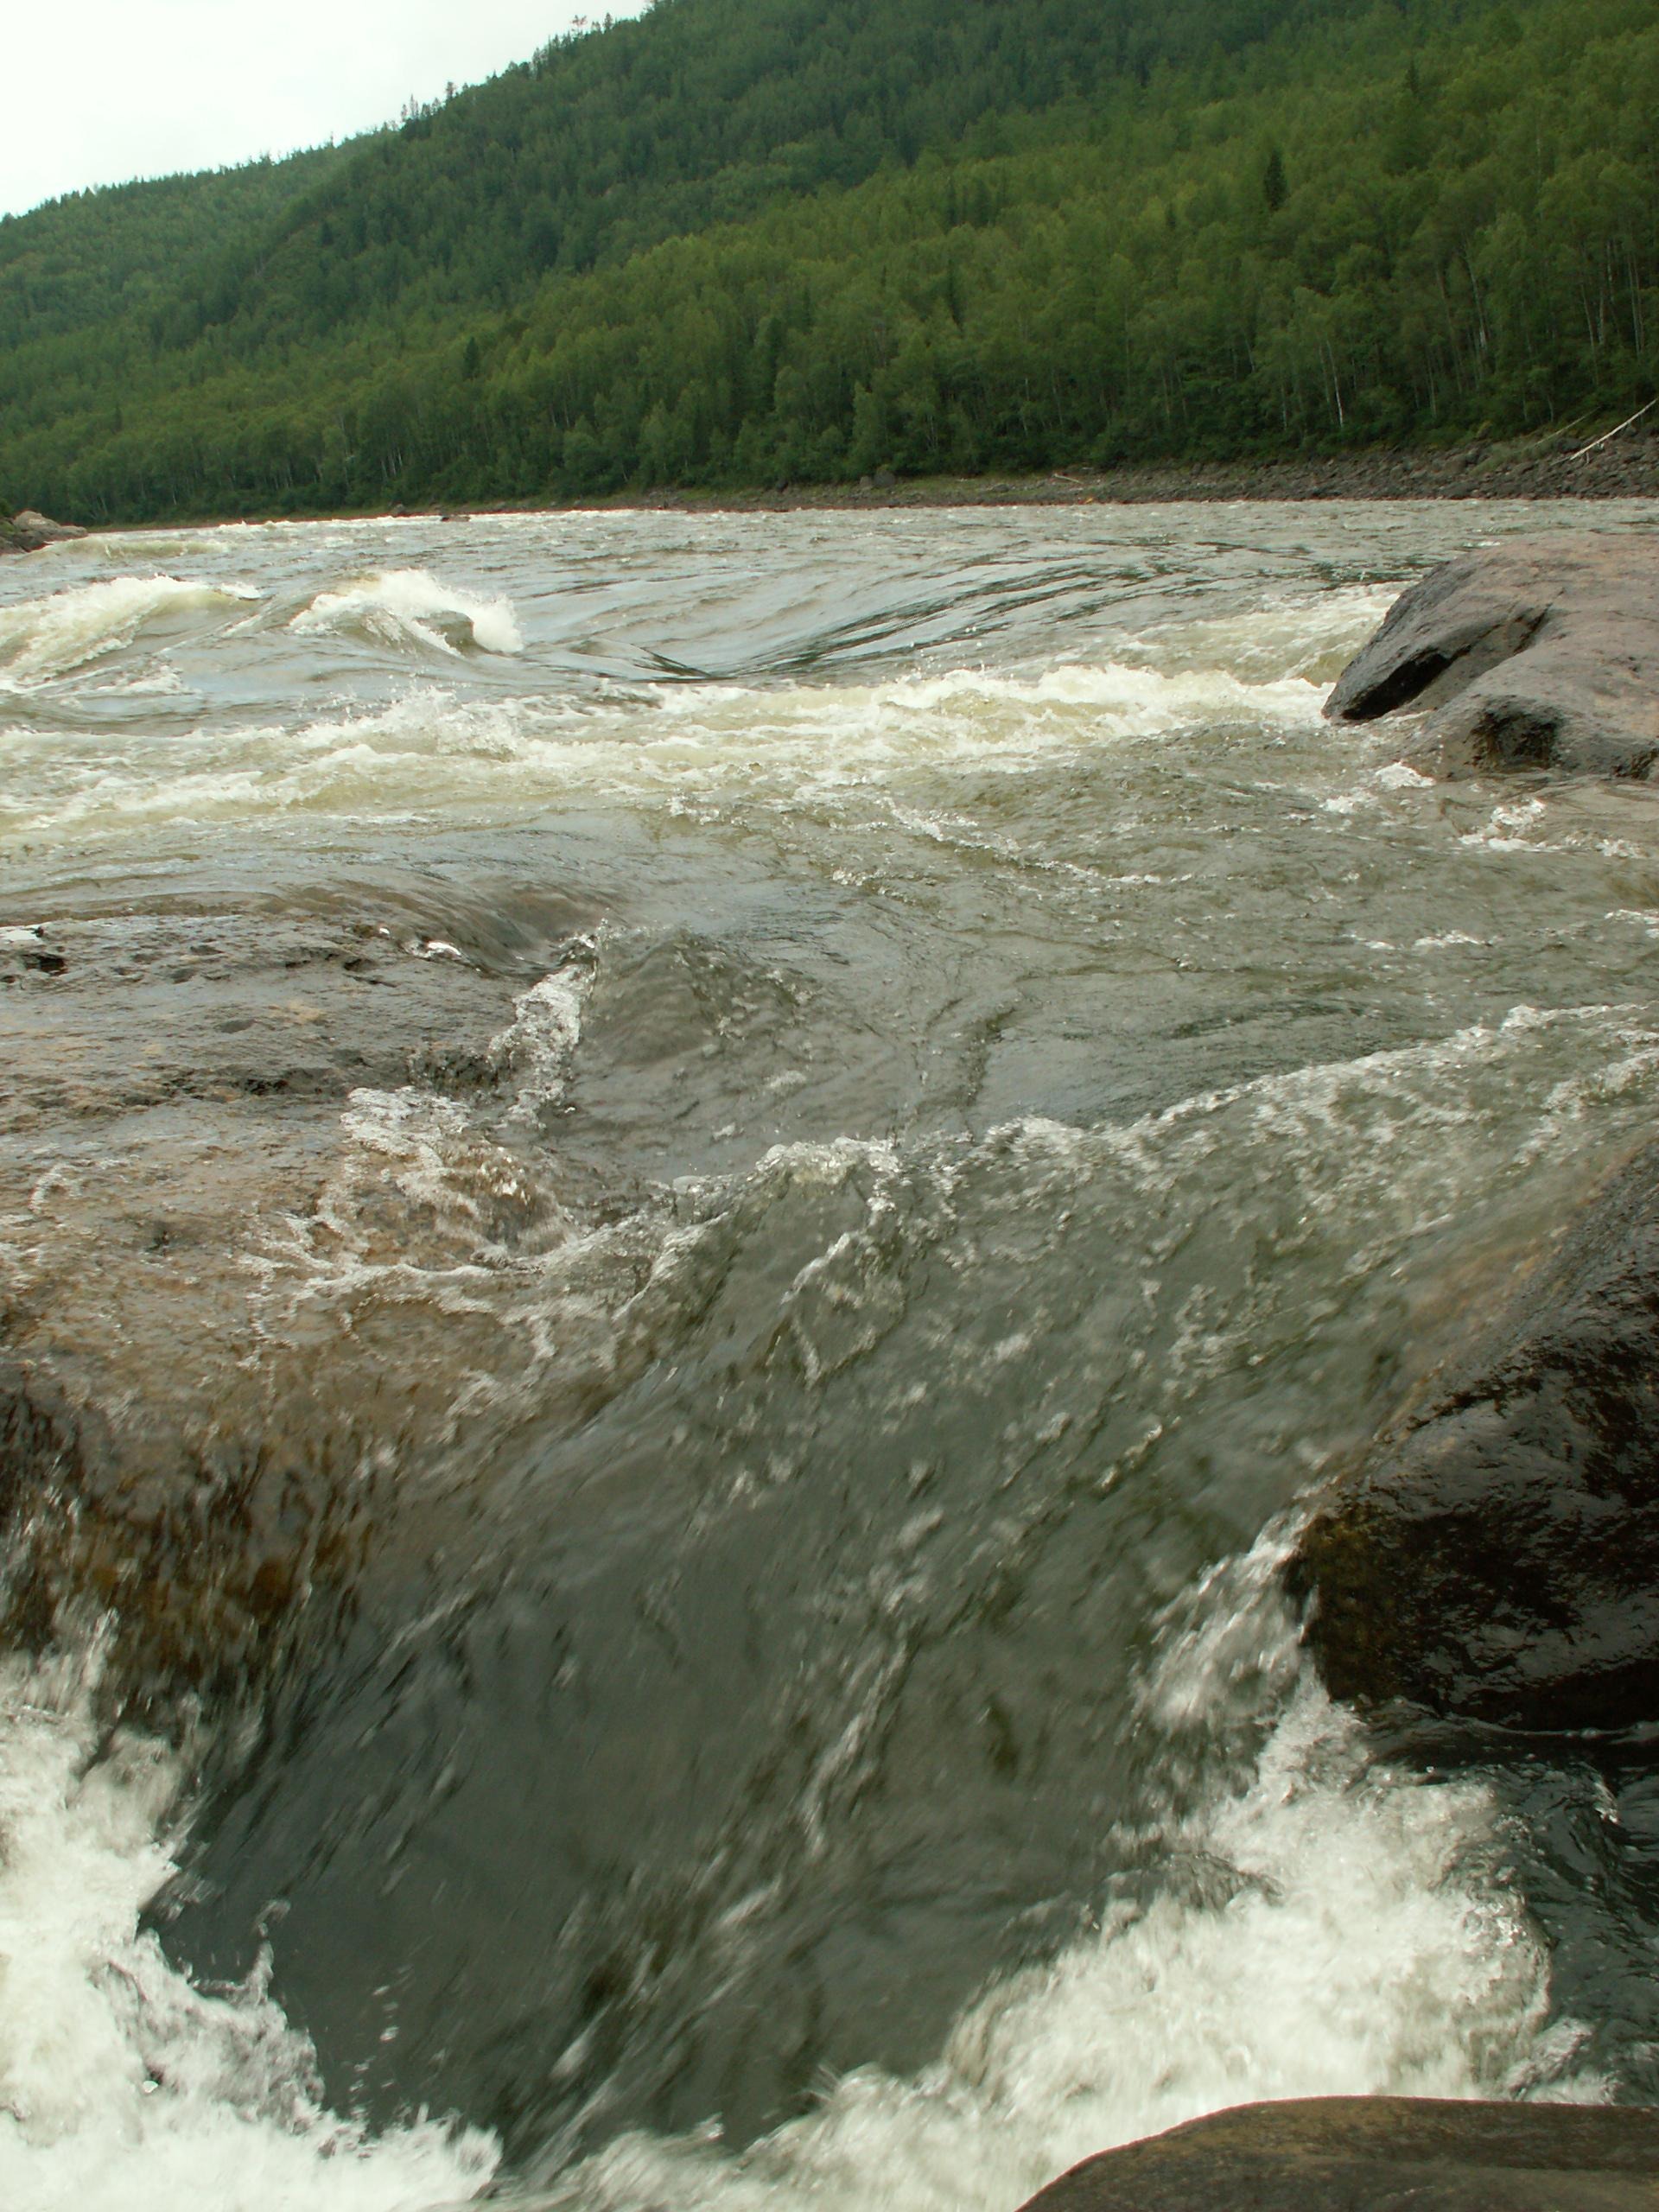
(1499,1560)
(1544,655)
(1375,2154)
(29,532)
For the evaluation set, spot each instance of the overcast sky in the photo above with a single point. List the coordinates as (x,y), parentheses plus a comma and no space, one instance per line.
(100,90)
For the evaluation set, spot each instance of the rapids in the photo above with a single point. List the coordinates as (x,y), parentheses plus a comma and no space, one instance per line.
(984,1096)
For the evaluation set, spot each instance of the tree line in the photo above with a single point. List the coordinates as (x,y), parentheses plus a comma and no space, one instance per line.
(746,241)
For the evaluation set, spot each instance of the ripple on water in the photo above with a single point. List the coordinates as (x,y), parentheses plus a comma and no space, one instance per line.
(930,1095)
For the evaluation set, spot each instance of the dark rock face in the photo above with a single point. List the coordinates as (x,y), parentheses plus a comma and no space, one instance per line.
(28,532)
(1379,2154)
(1525,657)
(1498,1560)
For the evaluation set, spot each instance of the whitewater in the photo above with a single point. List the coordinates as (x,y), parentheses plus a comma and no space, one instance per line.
(981,1099)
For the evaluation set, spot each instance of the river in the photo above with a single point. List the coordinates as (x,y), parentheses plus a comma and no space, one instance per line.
(985,1097)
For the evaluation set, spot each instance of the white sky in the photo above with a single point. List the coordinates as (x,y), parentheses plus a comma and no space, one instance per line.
(100,90)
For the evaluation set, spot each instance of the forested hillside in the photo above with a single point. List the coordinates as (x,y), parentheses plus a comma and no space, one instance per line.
(741,241)
(138,248)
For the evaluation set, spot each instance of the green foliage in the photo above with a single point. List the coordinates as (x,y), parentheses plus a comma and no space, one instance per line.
(741,241)
(135,249)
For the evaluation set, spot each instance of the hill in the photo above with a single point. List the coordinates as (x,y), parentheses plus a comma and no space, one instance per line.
(737,241)
(91,257)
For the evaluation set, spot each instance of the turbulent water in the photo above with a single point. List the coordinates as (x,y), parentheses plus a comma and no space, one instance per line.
(1000,1097)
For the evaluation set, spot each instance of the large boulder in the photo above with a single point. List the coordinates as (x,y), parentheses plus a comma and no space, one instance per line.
(1379,2154)
(1498,1558)
(1541,655)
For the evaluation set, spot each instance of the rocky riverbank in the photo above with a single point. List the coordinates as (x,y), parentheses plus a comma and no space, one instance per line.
(1626,467)
(1556,468)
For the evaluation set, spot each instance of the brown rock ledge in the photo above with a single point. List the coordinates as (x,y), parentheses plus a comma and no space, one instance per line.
(190,1441)
(1379,2154)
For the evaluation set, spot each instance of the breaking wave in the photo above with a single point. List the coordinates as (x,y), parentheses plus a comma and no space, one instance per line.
(1297,1919)
(44,639)
(1287,1915)
(1321,1927)
(678,745)
(411,610)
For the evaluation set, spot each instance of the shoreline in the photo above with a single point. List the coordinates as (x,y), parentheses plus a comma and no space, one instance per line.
(1625,467)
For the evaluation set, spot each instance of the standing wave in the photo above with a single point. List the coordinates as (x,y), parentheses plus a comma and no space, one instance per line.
(407,608)
(43,640)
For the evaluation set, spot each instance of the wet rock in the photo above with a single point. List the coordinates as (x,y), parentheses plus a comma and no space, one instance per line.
(227,1139)
(1498,1558)
(1543,656)
(29,532)
(192,1549)
(1379,2154)
(128,1012)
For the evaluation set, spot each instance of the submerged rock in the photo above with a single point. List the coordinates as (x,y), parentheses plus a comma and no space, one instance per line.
(1498,1559)
(1542,655)
(1364,2154)
(29,532)
(226,1141)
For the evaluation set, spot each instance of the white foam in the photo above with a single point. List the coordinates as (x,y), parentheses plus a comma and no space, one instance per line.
(42,640)
(405,606)
(123,2086)
(1509,828)
(1319,1926)
(974,713)
(1643,918)
(1393,776)
(1311,1924)
(1322,1930)
(1311,637)
(540,1041)
(682,746)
